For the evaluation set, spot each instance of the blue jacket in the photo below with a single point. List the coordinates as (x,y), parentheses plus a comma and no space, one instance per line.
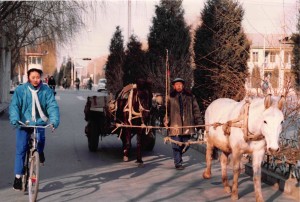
(20,106)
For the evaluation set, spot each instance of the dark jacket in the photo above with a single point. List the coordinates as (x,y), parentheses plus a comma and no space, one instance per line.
(191,113)
(51,81)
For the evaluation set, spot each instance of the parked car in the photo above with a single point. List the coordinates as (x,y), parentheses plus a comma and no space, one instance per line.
(101,86)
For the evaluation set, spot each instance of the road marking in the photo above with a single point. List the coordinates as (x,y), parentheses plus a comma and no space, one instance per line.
(57,97)
(80,98)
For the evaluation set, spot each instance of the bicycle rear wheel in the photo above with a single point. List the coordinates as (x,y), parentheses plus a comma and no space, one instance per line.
(33,180)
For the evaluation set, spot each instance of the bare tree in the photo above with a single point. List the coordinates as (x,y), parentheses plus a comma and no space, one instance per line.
(33,22)
(255,79)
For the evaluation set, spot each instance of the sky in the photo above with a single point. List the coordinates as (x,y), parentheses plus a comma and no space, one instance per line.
(261,16)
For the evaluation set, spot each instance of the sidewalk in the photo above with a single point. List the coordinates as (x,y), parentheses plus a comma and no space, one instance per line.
(3,106)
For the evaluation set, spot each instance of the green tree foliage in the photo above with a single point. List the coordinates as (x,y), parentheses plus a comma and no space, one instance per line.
(115,61)
(296,55)
(169,31)
(221,53)
(134,61)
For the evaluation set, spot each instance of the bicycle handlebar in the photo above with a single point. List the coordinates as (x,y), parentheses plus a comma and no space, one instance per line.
(31,126)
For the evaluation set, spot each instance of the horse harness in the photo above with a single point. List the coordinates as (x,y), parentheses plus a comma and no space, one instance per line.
(127,93)
(240,122)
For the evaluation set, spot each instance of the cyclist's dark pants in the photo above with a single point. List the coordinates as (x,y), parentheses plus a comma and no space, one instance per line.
(22,136)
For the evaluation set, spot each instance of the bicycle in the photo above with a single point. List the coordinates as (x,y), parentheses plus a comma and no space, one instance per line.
(30,179)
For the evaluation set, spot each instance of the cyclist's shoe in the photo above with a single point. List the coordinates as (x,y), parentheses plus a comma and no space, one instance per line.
(42,158)
(17,184)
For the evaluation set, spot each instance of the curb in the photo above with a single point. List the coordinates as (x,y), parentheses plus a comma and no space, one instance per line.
(288,186)
(3,107)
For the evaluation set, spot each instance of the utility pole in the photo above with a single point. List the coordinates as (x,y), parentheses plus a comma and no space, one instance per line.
(129,19)
(26,66)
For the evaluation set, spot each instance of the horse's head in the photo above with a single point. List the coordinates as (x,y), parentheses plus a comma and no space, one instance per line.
(272,118)
(144,94)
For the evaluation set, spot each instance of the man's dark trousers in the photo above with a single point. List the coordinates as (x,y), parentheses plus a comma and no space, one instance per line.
(177,150)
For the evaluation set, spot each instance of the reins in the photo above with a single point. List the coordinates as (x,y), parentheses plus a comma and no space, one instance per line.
(240,122)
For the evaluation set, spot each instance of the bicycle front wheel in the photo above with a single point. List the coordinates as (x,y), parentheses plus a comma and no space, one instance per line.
(33,181)
(26,172)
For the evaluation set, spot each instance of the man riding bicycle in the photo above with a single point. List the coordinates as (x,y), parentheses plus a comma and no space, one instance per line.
(52,83)
(33,102)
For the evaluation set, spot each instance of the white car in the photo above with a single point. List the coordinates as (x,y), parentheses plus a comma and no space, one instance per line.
(101,86)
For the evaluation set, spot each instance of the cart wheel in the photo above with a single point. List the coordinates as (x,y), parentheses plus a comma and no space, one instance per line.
(93,138)
(148,141)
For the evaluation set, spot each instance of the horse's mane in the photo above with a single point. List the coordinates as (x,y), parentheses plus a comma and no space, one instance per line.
(143,84)
(144,88)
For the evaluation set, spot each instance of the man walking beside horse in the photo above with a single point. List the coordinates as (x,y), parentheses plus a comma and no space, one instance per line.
(183,110)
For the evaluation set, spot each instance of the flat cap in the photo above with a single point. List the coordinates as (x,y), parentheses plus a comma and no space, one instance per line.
(178,80)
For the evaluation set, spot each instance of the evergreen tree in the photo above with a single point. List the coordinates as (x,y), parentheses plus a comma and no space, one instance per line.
(67,72)
(169,31)
(60,74)
(221,52)
(296,55)
(115,61)
(255,78)
(134,61)
(275,78)
(55,75)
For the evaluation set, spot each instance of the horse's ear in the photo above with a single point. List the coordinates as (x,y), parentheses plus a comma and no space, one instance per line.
(268,101)
(281,102)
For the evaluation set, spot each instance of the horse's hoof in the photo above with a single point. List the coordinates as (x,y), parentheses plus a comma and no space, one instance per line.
(234,197)
(140,164)
(259,199)
(206,176)
(125,158)
(227,190)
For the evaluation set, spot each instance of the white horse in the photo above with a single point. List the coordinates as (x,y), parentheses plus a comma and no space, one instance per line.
(265,120)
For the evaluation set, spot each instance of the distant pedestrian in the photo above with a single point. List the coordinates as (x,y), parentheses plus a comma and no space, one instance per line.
(51,82)
(90,83)
(47,79)
(266,85)
(64,82)
(77,83)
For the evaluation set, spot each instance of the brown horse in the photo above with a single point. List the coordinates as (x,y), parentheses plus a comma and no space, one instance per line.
(133,108)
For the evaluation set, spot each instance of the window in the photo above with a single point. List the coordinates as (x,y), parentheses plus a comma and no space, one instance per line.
(39,60)
(272,56)
(286,57)
(254,56)
(33,60)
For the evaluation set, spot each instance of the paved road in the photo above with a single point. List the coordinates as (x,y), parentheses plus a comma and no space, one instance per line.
(72,173)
